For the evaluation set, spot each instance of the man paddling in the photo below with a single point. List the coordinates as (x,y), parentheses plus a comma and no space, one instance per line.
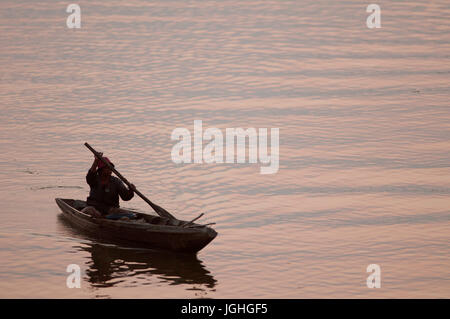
(103,200)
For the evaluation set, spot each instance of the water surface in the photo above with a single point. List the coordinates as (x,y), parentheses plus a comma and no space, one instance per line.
(364,125)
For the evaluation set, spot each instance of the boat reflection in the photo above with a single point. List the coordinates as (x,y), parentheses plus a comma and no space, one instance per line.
(110,263)
(113,263)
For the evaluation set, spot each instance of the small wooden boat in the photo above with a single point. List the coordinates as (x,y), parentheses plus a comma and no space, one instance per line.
(145,231)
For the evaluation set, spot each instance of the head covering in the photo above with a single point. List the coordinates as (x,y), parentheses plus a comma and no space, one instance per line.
(100,164)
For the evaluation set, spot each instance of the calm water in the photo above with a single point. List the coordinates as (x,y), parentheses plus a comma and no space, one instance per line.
(364,121)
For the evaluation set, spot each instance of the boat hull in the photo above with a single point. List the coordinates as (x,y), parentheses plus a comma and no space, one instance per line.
(155,236)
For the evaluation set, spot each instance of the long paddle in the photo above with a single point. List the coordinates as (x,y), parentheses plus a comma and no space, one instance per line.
(161,211)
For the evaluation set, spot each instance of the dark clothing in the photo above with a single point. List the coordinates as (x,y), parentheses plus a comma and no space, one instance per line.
(103,197)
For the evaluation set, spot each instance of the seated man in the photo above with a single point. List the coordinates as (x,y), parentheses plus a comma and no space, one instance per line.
(103,200)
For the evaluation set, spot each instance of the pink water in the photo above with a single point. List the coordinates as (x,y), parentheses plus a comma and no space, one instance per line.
(364,121)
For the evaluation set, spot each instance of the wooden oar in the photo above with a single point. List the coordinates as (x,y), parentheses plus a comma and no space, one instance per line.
(158,209)
(190,222)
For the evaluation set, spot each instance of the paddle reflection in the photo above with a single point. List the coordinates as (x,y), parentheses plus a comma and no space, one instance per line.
(113,263)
